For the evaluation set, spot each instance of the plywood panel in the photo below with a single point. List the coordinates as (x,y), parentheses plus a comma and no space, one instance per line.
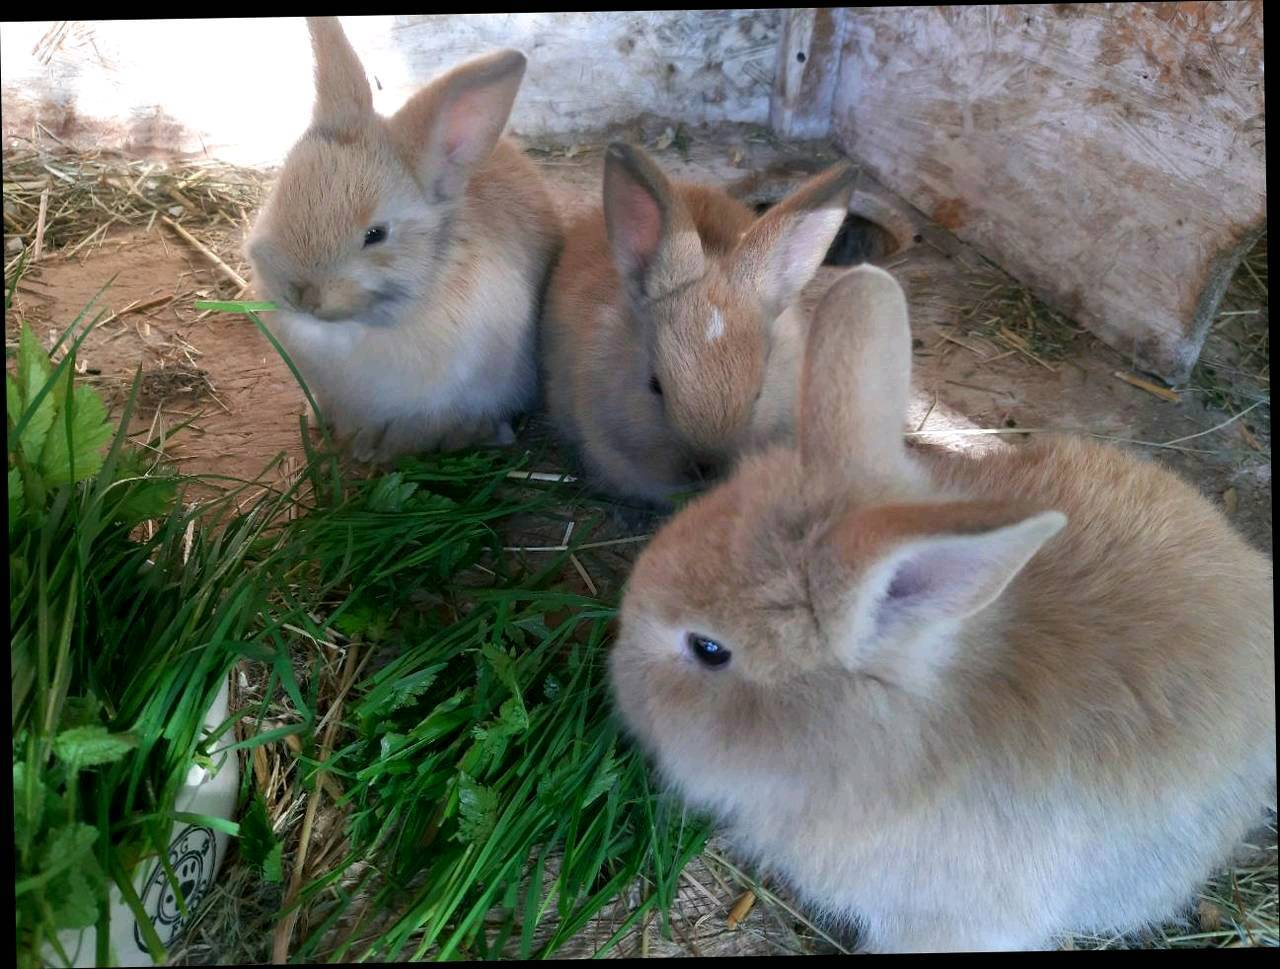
(1110,156)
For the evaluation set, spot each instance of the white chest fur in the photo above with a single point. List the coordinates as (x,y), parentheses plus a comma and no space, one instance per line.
(449,360)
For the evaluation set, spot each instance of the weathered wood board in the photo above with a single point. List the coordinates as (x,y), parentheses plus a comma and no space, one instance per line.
(810,42)
(241,89)
(1110,156)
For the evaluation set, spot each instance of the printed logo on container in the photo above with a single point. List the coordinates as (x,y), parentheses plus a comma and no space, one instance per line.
(191,855)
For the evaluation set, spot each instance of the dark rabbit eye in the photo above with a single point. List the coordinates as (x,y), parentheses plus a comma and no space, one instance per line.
(375,234)
(654,385)
(707,651)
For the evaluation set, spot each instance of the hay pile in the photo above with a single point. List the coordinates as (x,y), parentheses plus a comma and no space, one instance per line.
(67,201)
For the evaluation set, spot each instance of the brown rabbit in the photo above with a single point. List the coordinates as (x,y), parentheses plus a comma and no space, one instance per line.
(970,703)
(671,340)
(408,255)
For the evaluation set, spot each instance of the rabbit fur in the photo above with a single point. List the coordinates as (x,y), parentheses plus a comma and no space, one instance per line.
(671,342)
(425,336)
(969,703)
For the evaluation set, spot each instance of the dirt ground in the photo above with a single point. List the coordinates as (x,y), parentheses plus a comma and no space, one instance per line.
(979,364)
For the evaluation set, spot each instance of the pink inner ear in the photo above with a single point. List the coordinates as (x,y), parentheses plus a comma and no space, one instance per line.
(639,223)
(469,126)
(943,578)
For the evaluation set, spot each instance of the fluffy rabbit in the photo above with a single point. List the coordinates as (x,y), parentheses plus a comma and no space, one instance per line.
(671,340)
(968,703)
(408,255)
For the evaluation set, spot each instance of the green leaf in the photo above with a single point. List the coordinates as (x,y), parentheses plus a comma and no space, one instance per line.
(362,619)
(408,688)
(33,374)
(477,810)
(12,399)
(15,496)
(68,847)
(273,865)
(235,306)
(552,786)
(391,493)
(28,822)
(80,711)
(90,432)
(150,497)
(605,780)
(391,742)
(92,745)
(258,843)
(73,896)
(512,720)
(209,821)
(504,667)
(11,286)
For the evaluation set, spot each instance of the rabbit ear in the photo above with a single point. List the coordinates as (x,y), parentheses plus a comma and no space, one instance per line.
(856,381)
(784,247)
(451,126)
(654,242)
(916,566)
(343,98)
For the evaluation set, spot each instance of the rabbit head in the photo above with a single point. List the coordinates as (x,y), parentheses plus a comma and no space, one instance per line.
(765,606)
(705,316)
(912,693)
(359,221)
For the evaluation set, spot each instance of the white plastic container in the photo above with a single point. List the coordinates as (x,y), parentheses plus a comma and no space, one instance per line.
(195,852)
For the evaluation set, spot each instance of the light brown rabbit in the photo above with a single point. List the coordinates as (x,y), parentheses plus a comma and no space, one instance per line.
(671,340)
(408,255)
(968,703)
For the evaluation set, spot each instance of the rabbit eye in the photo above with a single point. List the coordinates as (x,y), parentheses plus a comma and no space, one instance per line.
(375,234)
(655,385)
(707,651)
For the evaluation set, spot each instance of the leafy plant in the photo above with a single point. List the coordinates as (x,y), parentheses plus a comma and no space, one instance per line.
(483,751)
(477,758)
(119,644)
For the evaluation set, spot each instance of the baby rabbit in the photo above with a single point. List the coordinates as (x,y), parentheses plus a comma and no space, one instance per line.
(670,340)
(408,256)
(970,703)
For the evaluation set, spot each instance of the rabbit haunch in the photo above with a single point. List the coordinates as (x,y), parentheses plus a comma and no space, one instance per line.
(408,255)
(972,702)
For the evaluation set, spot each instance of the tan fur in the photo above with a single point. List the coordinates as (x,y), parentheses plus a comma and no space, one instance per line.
(428,339)
(708,316)
(1075,756)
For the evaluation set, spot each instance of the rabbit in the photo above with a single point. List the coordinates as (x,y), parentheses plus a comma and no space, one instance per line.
(408,255)
(671,342)
(961,703)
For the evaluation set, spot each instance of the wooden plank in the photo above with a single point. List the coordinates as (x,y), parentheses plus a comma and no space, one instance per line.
(1110,156)
(809,48)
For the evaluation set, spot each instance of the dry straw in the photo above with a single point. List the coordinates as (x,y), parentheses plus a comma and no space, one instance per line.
(68,201)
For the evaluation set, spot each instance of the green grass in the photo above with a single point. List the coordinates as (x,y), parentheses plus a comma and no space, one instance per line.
(119,643)
(487,790)
(483,744)
(486,744)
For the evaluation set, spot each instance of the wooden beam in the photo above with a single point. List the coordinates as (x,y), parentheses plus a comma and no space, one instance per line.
(809,46)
